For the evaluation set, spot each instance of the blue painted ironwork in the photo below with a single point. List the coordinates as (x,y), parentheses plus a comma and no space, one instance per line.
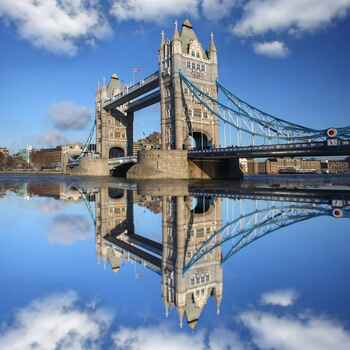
(250,120)
(85,148)
(89,141)
(246,229)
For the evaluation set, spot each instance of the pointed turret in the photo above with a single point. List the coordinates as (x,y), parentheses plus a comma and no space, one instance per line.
(212,49)
(176,40)
(181,311)
(166,304)
(218,299)
(212,46)
(162,38)
(176,32)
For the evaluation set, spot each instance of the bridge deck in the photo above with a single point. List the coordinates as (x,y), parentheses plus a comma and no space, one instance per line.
(142,87)
(137,254)
(306,149)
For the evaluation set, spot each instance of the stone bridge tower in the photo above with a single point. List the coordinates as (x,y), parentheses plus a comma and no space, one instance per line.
(114,128)
(114,213)
(184,122)
(184,230)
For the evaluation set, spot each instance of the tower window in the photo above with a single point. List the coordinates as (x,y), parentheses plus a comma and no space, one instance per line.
(198,67)
(203,68)
(193,54)
(189,64)
(198,114)
(193,66)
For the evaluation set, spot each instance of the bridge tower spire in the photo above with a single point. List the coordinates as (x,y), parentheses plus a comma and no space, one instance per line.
(184,122)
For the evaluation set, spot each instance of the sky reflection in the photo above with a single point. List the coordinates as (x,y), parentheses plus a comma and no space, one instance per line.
(71,284)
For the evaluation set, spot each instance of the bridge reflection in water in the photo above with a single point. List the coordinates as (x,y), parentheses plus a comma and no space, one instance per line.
(203,225)
(201,229)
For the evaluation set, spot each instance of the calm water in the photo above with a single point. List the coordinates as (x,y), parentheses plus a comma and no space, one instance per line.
(91,264)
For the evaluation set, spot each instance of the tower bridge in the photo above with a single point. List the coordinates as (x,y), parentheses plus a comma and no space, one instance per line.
(205,128)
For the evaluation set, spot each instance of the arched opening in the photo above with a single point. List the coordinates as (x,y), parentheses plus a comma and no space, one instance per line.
(202,204)
(199,140)
(116,152)
(121,170)
(115,193)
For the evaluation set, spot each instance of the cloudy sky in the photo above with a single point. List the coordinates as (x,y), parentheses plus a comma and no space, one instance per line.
(290,58)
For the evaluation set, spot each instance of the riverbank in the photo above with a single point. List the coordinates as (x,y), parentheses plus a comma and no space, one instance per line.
(31,172)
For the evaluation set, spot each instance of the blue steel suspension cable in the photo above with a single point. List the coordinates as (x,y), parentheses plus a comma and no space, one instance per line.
(270,220)
(197,93)
(244,106)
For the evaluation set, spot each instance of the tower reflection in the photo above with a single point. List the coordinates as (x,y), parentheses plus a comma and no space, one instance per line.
(186,223)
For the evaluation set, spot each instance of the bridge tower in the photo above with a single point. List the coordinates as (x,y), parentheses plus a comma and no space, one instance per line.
(185,122)
(114,128)
(184,230)
(114,213)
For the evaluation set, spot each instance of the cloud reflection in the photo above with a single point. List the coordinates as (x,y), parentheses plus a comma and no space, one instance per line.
(66,229)
(56,322)
(284,297)
(270,331)
(62,321)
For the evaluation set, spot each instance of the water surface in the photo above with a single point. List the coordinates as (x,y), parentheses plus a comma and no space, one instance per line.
(105,264)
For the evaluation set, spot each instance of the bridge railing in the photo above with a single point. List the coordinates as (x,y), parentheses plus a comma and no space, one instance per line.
(132,88)
(286,146)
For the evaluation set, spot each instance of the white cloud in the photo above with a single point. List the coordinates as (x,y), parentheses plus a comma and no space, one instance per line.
(154,338)
(56,25)
(217,9)
(69,116)
(55,322)
(273,49)
(152,10)
(261,16)
(295,332)
(285,297)
(157,10)
(66,229)
(50,205)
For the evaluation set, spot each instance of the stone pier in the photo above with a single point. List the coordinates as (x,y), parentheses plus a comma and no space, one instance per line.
(173,164)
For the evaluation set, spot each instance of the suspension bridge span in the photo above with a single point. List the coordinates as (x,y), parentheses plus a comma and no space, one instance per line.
(205,128)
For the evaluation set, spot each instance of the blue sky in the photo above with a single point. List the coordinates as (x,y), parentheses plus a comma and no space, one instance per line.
(288,58)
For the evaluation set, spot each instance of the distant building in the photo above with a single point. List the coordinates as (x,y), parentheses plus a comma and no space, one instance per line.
(51,190)
(150,142)
(277,165)
(243,164)
(4,151)
(337,166)
(252,166)
(47,158)
(70,151)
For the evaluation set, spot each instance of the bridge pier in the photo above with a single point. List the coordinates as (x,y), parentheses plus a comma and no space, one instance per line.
(215,169)
(90,167)
(174,164)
